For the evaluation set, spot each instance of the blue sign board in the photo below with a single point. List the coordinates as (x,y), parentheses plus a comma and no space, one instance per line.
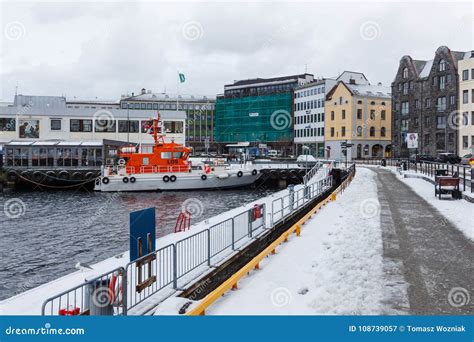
(142,233)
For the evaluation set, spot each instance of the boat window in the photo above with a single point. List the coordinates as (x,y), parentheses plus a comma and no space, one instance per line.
(145,161)
(177,155)
(165,155)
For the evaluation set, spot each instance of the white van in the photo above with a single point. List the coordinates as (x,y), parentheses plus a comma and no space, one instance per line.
(273,153)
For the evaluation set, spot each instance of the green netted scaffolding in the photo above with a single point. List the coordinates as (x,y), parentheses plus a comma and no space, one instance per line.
(255,119)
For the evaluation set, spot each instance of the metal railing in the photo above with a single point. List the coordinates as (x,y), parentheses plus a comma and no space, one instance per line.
(166,266)
(464,172)
(163,268)
(284,206)
(102,295)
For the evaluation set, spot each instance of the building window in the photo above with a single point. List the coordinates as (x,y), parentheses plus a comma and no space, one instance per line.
(155,106)
(465,141)
(452,100)
(372,114)
(105,126)
(7,124)
(441,105)
(404,126)
(465,75)
(472,95)
(124,105)
(405,72)
(372,131)
(173,127)
(440,122)
(79,125)
(427,139)
(131,126)
(343,131)
(427,103)
(359,102)
(382,131)
(415,122)
(442,82)
(382,114)
(417,104)
(359,114)
(405,88)
(465,96)
(332,131)
(442,65)
(405,107)
(55,124)
(472,118)
(332,115)
(343,114)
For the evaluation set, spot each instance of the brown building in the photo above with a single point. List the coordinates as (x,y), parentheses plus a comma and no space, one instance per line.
(425,101)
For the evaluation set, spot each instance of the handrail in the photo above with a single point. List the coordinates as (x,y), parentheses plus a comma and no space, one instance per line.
(179,264)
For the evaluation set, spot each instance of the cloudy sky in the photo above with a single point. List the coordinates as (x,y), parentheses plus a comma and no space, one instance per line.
(105,49)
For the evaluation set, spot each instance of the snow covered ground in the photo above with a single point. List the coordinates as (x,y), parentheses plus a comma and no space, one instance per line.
(335,267)
(459,212)
(29,302)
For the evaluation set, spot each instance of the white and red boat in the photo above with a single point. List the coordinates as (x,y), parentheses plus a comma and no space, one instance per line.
(165,166)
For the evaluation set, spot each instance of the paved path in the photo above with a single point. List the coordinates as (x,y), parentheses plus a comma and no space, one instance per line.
(425,256)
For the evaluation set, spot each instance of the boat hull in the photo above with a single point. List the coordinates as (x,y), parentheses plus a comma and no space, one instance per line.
(184,181)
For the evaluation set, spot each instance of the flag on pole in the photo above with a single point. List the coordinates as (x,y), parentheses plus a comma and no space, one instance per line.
(182,78)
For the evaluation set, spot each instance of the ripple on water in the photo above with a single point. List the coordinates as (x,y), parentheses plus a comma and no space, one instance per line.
(58,229)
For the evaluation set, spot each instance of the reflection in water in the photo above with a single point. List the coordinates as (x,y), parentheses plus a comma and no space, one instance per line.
(58,229)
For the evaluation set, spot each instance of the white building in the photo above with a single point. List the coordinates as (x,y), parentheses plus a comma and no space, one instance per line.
(309,117)
(37,118)
(466,104)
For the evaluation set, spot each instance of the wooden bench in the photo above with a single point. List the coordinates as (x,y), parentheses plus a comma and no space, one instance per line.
(446,184)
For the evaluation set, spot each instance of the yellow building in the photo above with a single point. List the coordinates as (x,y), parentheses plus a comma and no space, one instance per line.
(360,114)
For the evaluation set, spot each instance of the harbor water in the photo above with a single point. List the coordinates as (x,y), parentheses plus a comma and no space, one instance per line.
(44,234)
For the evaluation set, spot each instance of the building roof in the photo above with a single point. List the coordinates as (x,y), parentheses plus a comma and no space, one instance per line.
(368,90)
(313,84)
(149,96)
(262,81)
(365,90)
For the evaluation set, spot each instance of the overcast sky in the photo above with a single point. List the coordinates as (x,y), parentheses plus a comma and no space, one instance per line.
(106,49)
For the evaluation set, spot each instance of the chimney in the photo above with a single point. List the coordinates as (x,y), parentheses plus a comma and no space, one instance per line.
(352,81)
(379,84)
(143,91)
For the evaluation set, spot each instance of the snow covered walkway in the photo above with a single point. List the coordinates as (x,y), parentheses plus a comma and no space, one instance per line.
(335,267)
(433,255)
(381,248)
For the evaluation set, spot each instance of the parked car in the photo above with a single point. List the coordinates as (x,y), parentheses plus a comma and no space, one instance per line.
(448,158)
(467,159)
(420,158)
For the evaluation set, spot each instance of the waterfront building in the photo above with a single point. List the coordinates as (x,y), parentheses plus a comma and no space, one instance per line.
(258,113)
(32,118)
(466,104)
(425,97)
(199,113)
(309,116)
(357,113)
